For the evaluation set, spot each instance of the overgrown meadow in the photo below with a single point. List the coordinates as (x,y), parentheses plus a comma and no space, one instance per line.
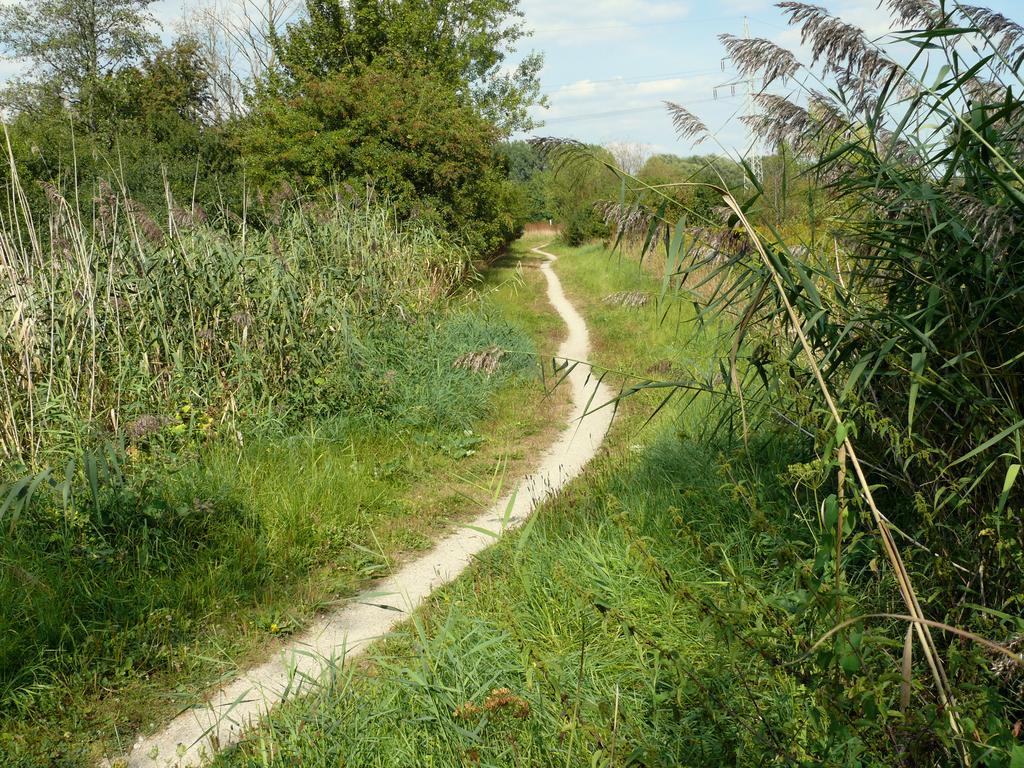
(834,516)
(878,326)
(240,336)
(152,374)
(226,400)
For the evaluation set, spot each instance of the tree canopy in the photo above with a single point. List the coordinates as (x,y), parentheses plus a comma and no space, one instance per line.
(74,44)
(464,43)
(406,136)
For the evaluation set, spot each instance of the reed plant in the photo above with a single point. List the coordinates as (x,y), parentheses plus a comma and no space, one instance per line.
(115,321)
(211,425)
(884,326)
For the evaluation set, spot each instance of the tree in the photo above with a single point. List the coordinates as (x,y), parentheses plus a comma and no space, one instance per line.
(462,42)
(74,44)
(630,156)
(577,187)
(237,44)
(154,132)
(406,135)
(527,168)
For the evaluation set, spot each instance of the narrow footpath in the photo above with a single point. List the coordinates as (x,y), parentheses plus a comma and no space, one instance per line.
(196,734)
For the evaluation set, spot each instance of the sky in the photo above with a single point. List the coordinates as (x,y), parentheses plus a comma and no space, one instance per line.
(610,64)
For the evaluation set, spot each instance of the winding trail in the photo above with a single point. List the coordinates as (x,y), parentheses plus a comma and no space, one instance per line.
(192,737)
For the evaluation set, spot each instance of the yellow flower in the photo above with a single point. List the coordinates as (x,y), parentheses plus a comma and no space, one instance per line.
(274,628)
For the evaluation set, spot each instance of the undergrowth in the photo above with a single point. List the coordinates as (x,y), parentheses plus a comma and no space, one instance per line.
(211,432)
(584,640)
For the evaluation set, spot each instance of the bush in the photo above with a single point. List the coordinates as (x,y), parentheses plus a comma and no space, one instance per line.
(403,134)
(582,226)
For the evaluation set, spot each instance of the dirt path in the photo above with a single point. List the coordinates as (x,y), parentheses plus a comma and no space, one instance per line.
(197,733)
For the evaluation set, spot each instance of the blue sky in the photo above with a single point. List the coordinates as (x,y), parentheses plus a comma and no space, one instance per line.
(609,64)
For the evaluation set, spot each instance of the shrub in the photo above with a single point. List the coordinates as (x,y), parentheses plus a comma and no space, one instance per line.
(403,134)
(138,319)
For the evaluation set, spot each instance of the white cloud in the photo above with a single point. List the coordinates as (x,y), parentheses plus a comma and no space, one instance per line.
(581,89)
(617,94)
(674,86)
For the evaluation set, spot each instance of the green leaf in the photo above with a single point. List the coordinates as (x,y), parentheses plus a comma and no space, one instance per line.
(855,374)
(842,432)
(917,362)
(1011,477)
(989,443)
(12,502)
(831,512)
(850,663)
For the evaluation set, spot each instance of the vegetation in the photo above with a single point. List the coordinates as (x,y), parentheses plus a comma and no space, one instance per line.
(141,504)
(586,638)
(405,135)
(866,327)
(859,591)
(230,384)
(463,43)
(231,394)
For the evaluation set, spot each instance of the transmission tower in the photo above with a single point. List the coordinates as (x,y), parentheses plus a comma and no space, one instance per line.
(749,86)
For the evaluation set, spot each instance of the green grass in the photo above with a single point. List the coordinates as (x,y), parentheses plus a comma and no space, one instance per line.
(604,618)
(574,619)
(211,556)
(671,347)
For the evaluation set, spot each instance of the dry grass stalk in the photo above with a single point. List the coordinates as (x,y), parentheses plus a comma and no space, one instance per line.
(906,587)
(484,361)
(757,55)
(688,126)
(630,299)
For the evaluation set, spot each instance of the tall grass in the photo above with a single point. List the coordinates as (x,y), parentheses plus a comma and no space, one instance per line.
(889,335)
(578,642)
(209,426)
(115,321)
(594,636)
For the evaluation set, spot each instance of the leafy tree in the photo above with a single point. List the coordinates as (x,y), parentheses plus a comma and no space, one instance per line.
(686,180)
(524,162)
(153,126)
(406,135)
(73,45)
(528,169)
(464,43)
(576,188)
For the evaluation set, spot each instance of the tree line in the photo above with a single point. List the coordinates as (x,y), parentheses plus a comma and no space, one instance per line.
(240,108)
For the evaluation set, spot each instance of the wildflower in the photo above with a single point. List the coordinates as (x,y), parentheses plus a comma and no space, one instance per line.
(274,628)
